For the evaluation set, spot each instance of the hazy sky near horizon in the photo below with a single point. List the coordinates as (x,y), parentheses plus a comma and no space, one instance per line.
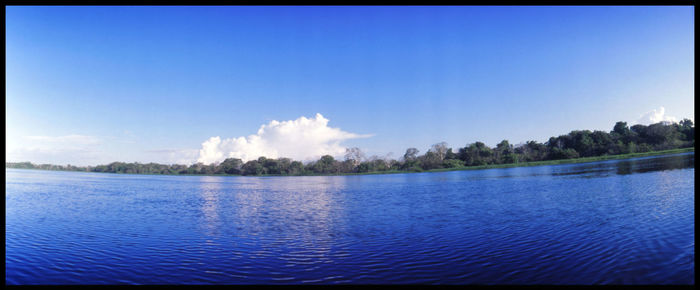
(92,85)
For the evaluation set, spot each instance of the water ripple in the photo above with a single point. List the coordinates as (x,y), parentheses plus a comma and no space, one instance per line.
(610,222)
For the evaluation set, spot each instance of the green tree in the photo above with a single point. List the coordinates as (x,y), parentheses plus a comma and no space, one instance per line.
(411,154)
(440,149)
(430,160)
(231,166)
(252,167)
(622,129)
(410,159)
(326,165)
(475,154)
(503,153)
(296,168)
(355,155)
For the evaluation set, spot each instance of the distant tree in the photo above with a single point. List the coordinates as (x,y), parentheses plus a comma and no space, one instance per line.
(638,133)
(603,143)
(410,159)
(296,168)
(621,128)
(355,155)
(582,142)
(452,163)
(476,154)
(209,169)
(271,166)
(252,167)
(347,166)
(326,165)
(578,143)
(284,165)
(661,136)
(568,153)
(394,164)
(503,152)
(430,160)
(231,166)
(687,129)
(534,151)
(450,155)
(376,163)
(440,149)
(411,154)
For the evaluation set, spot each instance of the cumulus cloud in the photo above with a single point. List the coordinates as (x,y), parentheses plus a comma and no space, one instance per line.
(655,116)
(301,139)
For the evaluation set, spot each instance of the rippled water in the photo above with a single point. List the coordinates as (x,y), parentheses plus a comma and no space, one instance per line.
(606,222)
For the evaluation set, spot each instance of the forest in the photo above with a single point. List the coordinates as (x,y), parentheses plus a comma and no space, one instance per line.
(578,143)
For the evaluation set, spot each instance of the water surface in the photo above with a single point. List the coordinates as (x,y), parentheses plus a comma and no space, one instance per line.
(611,222)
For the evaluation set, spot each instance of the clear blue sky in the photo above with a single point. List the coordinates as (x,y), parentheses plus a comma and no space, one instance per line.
(148,81)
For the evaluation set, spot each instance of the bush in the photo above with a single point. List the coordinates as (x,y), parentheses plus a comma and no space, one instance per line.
(415,169)
(452,163)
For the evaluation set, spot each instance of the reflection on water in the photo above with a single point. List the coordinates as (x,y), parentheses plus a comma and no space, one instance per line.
(597,169)
(681,161)
(611,222)
(264,204)
(639,165)
(210,188)
(266,214)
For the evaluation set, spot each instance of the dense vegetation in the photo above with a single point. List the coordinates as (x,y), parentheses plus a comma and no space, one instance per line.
(621,140)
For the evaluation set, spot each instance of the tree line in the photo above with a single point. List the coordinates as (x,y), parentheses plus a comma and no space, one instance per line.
(579,143)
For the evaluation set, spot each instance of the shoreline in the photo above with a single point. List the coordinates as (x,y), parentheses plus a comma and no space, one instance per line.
(480,167)
(526,164)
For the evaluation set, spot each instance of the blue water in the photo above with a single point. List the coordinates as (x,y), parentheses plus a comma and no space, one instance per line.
(612,222)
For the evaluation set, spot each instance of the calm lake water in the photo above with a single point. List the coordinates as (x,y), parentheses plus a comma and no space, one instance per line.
(610,222)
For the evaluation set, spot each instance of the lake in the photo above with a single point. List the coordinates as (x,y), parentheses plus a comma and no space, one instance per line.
(610,222)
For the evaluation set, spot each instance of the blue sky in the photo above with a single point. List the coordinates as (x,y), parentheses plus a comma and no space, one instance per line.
(91,85)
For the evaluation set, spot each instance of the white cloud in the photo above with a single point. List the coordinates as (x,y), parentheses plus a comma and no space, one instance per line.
(302,139)
(73,139)
(70,149)
(655,116)
(174,156)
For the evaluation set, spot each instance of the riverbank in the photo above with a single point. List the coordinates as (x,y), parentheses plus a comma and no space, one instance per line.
(520,164)
(528,164)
